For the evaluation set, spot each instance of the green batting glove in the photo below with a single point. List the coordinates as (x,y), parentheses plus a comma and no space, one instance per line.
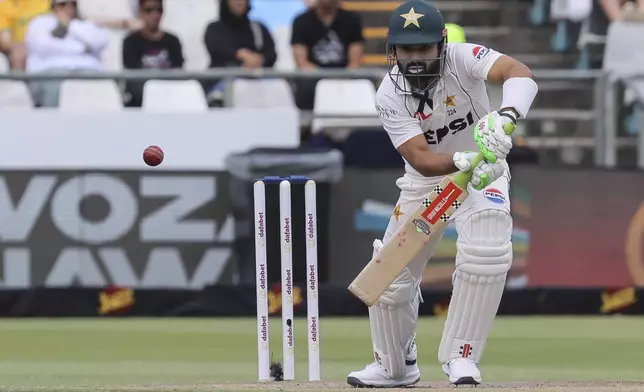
(484,182)
(485,173)
(492,136)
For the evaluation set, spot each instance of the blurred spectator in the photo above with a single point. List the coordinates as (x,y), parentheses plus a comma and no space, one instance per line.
(149,48)
(623,46)
(60,41)
(236,41)
(328,37)
(592,37)
(14,18)
(455,33)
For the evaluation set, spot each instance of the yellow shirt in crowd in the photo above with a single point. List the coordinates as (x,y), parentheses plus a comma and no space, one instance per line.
(15,15)
(455,33)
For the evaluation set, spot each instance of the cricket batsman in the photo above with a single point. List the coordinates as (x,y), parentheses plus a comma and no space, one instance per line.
(434,106)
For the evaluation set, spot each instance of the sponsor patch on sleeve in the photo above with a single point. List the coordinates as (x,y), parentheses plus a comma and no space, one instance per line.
(385,113)
(480,52)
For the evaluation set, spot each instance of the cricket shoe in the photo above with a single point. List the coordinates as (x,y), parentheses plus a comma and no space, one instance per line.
(462,371)
(376,376)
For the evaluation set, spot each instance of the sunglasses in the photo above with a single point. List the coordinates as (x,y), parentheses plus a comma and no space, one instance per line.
(149,10)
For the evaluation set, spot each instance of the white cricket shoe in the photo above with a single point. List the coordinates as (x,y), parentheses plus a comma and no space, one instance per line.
(462,371)
(376,376)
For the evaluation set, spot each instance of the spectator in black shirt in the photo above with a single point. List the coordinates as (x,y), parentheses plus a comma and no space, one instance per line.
(327,37)
(149,48)
(236,41)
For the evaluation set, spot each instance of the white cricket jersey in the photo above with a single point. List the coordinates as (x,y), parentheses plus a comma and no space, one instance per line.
(459,100)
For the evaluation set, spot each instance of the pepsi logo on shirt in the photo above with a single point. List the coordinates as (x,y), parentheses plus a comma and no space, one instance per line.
(494,195)
(480,52)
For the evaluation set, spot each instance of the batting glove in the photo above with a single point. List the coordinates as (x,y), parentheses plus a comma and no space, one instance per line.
(463,160)
(377,245)
(492,135)
(486,173)
(483,174)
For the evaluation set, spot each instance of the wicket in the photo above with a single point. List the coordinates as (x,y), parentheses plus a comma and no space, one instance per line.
(288,334)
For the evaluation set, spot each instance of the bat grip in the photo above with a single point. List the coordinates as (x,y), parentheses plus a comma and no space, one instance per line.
(462,178)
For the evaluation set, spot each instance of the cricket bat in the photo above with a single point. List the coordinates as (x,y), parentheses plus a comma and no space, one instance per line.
(431,216)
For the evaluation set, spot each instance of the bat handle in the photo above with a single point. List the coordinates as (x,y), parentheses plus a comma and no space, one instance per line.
(462,178)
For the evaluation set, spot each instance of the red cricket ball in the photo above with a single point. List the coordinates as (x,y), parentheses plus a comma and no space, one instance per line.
(153,156)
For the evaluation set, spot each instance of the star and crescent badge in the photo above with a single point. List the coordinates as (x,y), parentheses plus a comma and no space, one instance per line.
(397,213)
(411,18)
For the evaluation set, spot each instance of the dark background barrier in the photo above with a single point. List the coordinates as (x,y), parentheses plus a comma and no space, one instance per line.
(239,301)
(136,229)
(572,228)
(174,232)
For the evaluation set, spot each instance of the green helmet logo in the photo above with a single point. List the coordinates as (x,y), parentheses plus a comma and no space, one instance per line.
(416,46)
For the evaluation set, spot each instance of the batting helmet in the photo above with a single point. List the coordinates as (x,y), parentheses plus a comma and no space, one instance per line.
(416,26)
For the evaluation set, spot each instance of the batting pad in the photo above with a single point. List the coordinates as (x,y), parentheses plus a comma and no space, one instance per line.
(483,258)
(393,322)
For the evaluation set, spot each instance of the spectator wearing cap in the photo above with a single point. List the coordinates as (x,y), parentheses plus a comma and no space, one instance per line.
(237,41)
(150,48)
(60,41)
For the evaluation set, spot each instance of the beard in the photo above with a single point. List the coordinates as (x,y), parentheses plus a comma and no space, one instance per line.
(426,68)
(420,74)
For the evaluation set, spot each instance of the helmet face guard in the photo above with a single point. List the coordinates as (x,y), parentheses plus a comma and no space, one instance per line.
(416,23)
(421,74)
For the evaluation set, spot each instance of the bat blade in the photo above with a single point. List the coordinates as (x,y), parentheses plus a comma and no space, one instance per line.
(430,217)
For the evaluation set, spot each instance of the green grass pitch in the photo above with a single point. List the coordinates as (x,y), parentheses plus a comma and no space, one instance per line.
(562,354)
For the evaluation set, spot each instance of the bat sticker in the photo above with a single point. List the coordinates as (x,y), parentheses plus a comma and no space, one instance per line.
(442,203)
(421,226)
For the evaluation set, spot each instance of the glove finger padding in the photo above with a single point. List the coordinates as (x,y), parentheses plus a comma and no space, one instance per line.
(491,134)
(463,160)
(480,178)
(486,173)
(503,142)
